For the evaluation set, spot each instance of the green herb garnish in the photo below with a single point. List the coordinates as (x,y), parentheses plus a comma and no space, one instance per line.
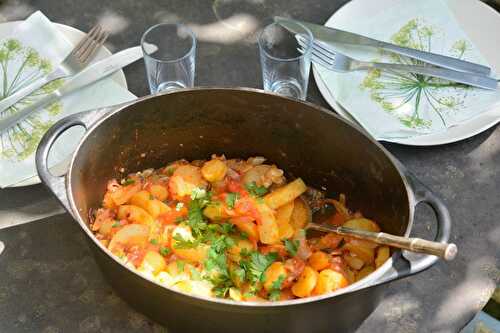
(153,241)
(195,275)
(180,265)
(182,243)
(128,181)
(116,225)
(256,191)
(164,251)
(292,246)
(258,265)
(231,199)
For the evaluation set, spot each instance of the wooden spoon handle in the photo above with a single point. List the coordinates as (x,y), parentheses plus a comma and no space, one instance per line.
(447,251)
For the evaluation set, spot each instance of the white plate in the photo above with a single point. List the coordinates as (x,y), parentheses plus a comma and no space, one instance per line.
(476,19)
(73,35)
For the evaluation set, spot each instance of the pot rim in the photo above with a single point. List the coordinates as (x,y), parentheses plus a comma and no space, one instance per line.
(363,283)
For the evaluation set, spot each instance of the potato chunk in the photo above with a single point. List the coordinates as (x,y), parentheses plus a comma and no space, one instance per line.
(285,194)
(273,273)
(306,283)
(214,170)
(328,281)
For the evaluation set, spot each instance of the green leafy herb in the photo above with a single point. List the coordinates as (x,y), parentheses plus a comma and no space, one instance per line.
(231,199)
(275,295)
(179,206)
(179,219)
(182,243)
(116,225)
(198,193)
(196,220)
(256,191)
(170,170)
(258,265)
(275,292)
(164,251)
(292,246)
(243,235)
(153,241)
(128,181)
(180,265)
(195,275)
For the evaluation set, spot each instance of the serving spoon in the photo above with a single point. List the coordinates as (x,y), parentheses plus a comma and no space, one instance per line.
(447,251)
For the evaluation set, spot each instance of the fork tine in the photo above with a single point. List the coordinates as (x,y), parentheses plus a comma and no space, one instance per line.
(85,42)
(315,58)
(99,40)
(325,49)
(325,60)
(85,38)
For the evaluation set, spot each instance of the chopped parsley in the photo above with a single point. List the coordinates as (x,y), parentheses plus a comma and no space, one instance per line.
(275,292)
(182,243)
(256,191)
(195,275)
(243,235)
(257,265)
(153,241)
(231,199)
(196,220)
(180,265)
(116,225)
(275,295)
(292,246)
(128,181)
(164,251)
(170,170)
(179,206)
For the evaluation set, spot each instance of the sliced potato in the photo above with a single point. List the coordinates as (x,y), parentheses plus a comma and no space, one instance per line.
(306,283)
(367,270)
(383,253)
(301,215)
(283,216)
(153,206)
(214,170)
(328,281)
(362,224)
(159,192)
(135,214)
(285,194)
(353,262)
(364,253)
(268,227)
(153,262)
(184,180)
(129,235)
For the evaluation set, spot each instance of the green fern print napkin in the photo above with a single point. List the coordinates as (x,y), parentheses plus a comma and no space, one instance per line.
(402,105)
(33,49)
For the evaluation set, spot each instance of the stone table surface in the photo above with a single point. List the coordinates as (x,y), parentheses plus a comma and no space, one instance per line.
(49,281)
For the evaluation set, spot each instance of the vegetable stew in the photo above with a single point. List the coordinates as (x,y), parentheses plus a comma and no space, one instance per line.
(234,229)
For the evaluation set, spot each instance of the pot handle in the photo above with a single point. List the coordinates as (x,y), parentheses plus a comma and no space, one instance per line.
(406,264)
(57,183)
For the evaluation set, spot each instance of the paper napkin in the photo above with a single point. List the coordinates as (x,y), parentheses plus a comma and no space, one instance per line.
(34,48)
(392,105)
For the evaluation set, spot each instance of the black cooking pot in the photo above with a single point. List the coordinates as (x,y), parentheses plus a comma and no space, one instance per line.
(303,139)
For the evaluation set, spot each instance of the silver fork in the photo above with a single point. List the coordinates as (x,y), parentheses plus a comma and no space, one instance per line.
(72,64)
(324,55)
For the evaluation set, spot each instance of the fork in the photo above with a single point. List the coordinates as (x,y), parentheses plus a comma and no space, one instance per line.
(72,64)
(325,56)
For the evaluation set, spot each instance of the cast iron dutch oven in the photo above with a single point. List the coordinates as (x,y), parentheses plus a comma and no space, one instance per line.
(301,138)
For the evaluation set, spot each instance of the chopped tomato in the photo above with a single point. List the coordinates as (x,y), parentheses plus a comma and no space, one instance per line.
(276,248)
(171,216)
(135,255)
(337,219)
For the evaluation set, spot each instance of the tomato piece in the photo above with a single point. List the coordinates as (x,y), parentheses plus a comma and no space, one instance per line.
(337,219)
(171,216)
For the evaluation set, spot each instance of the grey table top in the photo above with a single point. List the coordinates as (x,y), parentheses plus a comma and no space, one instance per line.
(50,283)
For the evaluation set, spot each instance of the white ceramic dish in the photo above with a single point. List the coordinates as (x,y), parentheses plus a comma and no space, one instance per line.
(476,18)
(73,35)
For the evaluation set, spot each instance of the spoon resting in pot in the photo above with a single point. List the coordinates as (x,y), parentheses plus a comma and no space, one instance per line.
(447,251)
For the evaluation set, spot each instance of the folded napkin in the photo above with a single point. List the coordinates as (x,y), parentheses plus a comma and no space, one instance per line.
(396,105)
(34,48)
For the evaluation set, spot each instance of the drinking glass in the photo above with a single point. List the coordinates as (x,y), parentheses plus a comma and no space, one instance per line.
(169,54)
(285,70)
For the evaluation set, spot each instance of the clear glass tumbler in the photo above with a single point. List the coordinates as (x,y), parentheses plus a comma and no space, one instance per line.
(169,54)
(285,70)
